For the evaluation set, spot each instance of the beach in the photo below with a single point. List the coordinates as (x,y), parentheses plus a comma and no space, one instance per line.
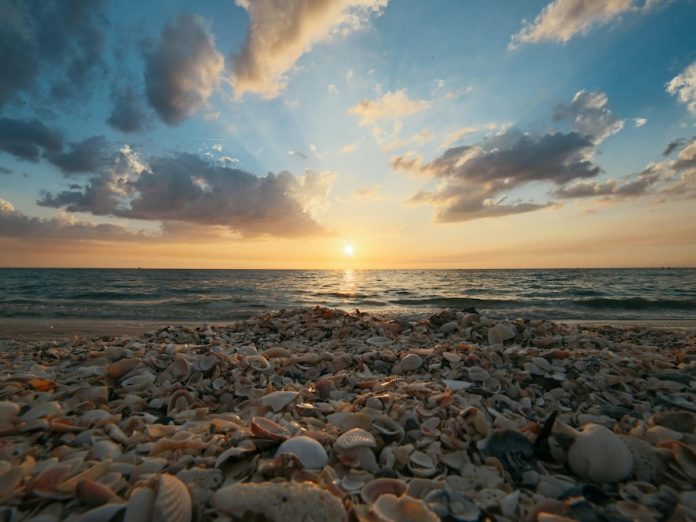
(318,414)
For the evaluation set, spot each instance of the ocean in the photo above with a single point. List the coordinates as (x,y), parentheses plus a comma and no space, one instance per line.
(221,295)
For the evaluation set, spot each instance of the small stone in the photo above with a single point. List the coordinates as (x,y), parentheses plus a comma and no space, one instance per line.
(411,362)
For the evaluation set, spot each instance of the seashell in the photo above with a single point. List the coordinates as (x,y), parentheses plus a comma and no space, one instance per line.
(597,454)
(493,385)
(205,363)
(47,409)
(8,411)
(310,453)
(685,456)
(276,352)
(140,505)
(257,362)
(278,400)
(633,510)
(92,473)
(202,482)
(173,501)
(455,385)
(346,420)
(378,341)
(95,394)
(411,362)
(122,367)
(138,382)
(452,505)
(234,453)
(354,438)
(391,508)
(500,333)
(93,494)
(508,505)
(279,501)
(354,480)
(374,489)
(267,429)
(388,427)
(421,464)
(102,513)
(681,421)
(636,491)
(105,449)
(478,374)
(648,465)
(180,368)
(542,363)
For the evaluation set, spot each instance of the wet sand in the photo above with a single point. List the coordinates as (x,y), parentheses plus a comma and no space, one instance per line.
(318,414)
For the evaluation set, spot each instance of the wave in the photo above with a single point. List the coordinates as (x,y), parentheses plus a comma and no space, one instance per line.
(451,302)
(637,303)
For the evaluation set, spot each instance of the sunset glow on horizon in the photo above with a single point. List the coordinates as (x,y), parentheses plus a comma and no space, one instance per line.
(258,134)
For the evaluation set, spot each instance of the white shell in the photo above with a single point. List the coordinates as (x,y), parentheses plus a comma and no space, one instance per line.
(355,438)
(600,455)
(173,501)
(311,454)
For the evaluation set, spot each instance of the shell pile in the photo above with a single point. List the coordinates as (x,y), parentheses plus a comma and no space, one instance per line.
(319,414)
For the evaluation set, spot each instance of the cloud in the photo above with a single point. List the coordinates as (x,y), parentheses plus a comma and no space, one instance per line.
(348,148)
(298,154)
(474,181)
(186,188)
(639,122)
(128,113)
(64,40)
(456,135)
(371,193)
(281,32)
(183,70)
(589,114)
(683,86)
(561,20)
(632,187)
(674,145)
(15,224)
(87,156)
(391,106)
(28,139)
(5,170)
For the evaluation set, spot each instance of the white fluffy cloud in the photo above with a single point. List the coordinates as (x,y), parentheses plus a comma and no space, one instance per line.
(560,20)
(683,86)
(281,31)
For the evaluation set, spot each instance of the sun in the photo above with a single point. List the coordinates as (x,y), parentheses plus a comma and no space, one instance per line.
(348,250)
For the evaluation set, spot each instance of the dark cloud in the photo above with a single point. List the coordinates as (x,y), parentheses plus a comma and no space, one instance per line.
(5,170)
(674,145)
(63,39)
(87,156)
(589,115)
(16,224)
(128,113)
(475,180)
(187,188)
(183,70)
(28,139)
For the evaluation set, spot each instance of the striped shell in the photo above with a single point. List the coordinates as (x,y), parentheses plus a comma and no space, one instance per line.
(357,437)
(173,501)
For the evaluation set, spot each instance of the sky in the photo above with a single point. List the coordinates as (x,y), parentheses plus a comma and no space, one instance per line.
(347,133)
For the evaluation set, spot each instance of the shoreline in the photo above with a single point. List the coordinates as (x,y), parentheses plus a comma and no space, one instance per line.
(319,414)
(37,329)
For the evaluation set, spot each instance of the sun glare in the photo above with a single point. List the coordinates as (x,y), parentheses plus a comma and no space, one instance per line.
(348,250)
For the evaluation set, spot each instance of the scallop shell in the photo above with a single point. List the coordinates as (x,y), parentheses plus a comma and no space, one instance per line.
(354,438)
(421,464)
(205,363)
(278,400)
(374,489)
(173,501)
(500,333)
(310,453)
(391,508)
